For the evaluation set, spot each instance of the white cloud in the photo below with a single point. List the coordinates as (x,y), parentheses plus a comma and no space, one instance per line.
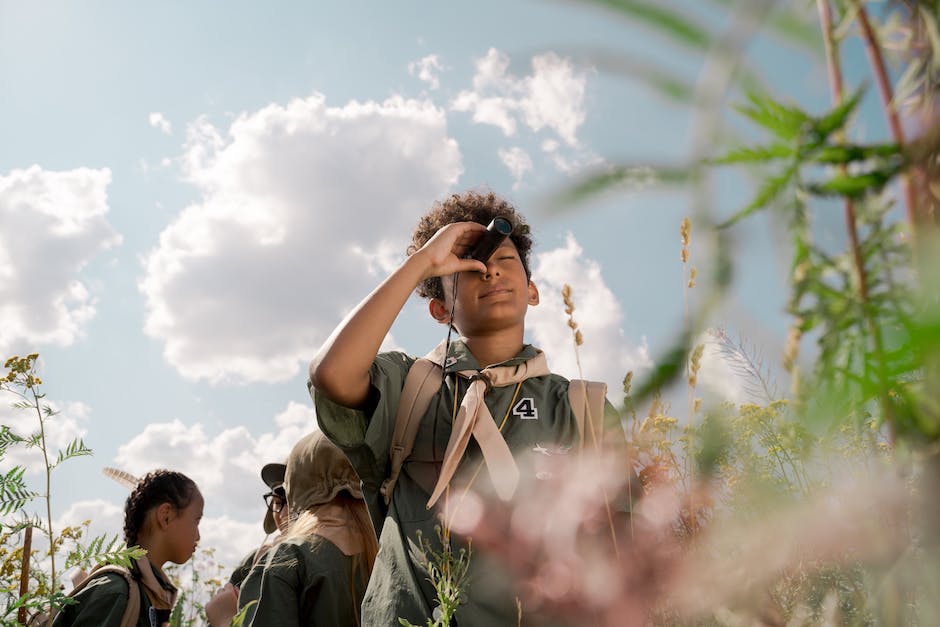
(517,161)
(105,518)
(245,283)
(551,97)
(67,424)
(606,355)
(569,163)
(427,70)
(52,224)
(225,466)
(230,539)
(157,120)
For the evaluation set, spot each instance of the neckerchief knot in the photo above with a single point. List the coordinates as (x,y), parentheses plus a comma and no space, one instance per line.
(474,418)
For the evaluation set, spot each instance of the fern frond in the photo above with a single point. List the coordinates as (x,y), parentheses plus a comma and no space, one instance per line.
(75,448)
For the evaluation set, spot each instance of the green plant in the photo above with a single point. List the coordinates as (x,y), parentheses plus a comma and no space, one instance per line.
(43,593)
(196,580)
(447,572)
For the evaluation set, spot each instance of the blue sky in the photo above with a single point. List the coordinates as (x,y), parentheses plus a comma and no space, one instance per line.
(193,194)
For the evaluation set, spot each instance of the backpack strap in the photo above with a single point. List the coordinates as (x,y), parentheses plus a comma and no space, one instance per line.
(587,398)
(421,384)
(132,609)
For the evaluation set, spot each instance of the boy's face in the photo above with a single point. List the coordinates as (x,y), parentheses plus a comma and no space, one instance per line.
(489,302)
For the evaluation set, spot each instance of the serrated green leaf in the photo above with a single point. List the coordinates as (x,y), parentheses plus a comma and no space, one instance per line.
(843,154)
(14,494)
(757,154)
(767,193)
(853,186)
(9,437)
(836,119)
(75,448)
(786,122)
(103,550)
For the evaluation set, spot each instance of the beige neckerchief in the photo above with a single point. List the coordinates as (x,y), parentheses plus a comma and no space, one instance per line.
(162,595)
(474,418)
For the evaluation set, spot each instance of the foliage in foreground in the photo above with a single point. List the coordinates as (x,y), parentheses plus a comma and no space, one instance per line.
(816,507)
(30,582)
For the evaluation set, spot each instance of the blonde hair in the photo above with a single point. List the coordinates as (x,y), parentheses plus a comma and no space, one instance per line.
(307,524)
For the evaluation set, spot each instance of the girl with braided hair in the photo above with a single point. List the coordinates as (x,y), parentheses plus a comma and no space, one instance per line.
(161,515)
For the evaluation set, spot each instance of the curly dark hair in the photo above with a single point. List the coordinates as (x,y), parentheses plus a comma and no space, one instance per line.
(158,487)
(470,206)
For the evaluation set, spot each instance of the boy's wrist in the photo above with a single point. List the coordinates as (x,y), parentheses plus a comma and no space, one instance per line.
(419,265)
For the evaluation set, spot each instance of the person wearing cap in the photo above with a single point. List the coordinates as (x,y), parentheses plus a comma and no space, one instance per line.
(222,607)
(317,571)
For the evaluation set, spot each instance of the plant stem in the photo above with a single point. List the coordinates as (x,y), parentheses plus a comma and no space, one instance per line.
(24,572)
(835,84)
(880,72)
(48,499)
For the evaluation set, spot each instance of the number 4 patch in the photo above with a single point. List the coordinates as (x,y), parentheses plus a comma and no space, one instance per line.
(525,409)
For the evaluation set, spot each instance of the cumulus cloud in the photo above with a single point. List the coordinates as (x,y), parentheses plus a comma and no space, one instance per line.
(517,161)
(52,224)
(607,354)
(157,120)
(226,465)
(569,162)
(246,282)
(551,97)
(230,540)
(68,423)
(427,70)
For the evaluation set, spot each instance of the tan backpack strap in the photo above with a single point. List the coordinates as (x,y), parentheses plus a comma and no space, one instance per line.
(421,384)
(132,610)
(588,398)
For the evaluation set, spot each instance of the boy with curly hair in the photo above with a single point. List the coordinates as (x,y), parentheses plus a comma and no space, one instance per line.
(495,388)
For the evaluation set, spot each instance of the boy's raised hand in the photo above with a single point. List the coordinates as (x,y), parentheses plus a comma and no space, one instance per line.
(444,253)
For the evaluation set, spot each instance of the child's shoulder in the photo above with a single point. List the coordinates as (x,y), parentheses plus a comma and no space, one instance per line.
(114,580)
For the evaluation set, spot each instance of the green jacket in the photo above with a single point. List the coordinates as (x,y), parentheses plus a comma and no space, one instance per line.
(538,417)
(241,571)
(303,582)
(101,604)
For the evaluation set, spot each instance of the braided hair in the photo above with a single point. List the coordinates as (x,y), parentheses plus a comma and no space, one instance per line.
(158,487)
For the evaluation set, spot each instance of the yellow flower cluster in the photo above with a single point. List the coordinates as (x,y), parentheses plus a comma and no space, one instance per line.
(20,370)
